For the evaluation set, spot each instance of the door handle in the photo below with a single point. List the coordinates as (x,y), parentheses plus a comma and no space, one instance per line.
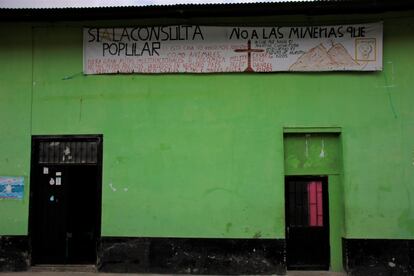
(68,236)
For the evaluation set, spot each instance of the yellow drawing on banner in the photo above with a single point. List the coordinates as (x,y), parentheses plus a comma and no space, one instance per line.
(365,49)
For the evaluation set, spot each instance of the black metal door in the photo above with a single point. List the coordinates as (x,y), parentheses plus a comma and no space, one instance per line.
(307,223)
(65,199)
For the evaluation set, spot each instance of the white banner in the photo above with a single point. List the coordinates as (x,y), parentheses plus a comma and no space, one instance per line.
(207,49)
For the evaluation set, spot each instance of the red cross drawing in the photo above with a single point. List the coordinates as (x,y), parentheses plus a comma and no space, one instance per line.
(249,51)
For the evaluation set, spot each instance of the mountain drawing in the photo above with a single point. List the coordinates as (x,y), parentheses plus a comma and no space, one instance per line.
(321,59)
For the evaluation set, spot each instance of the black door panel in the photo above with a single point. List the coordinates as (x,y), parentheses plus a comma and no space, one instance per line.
(307,223)
(65,199)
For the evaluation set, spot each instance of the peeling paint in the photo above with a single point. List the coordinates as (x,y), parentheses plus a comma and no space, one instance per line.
(322,154)
(112,187)
(306,146)
(194,255)
(14,253)
(375,257)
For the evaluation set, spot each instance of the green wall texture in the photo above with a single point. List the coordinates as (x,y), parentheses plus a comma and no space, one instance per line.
(190,155)
(15,121)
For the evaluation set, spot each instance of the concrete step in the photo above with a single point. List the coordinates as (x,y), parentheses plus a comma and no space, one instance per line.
(63,268)
(48,270)
(315,273)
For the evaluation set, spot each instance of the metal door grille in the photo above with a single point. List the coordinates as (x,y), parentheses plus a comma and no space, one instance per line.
(305,204)
(298,201)
(68,152)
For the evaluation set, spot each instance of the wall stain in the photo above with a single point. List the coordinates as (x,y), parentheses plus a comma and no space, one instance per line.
(199,256)
(120,159)
(80,108)
(406,221)
(257,235)
(387,87)
(215,189)
(165,147)
(73,76)
(228,226)
(384,188)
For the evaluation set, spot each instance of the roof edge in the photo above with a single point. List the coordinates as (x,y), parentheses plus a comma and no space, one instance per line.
(208,10)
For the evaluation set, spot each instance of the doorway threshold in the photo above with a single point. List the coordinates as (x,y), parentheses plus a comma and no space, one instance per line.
(63,268)
(314,273)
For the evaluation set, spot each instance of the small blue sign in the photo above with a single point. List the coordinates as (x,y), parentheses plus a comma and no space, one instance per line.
(11,187)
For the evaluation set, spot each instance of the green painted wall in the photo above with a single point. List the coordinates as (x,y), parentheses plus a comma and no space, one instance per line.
(202,155)
(15,120)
